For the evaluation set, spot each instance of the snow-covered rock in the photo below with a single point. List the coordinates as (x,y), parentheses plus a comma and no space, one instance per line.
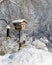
(44,40)
(39,44)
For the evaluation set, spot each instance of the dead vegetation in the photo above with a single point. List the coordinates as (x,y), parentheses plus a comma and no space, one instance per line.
(2,49)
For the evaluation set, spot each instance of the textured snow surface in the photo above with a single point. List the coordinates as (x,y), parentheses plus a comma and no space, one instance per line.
(27,56)
(38,13)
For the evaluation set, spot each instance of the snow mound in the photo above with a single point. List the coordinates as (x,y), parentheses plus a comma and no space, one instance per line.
(39,44)
(26,56)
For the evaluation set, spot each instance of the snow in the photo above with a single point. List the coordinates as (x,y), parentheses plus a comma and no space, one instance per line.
(35,51)
(23,36)
(19,20)
(1,1)
(8,26)
(39,44)
(28,55)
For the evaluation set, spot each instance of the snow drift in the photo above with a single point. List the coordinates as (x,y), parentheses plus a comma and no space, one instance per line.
(28,55)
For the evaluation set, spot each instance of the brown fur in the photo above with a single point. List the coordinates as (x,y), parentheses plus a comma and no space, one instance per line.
(22,44)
